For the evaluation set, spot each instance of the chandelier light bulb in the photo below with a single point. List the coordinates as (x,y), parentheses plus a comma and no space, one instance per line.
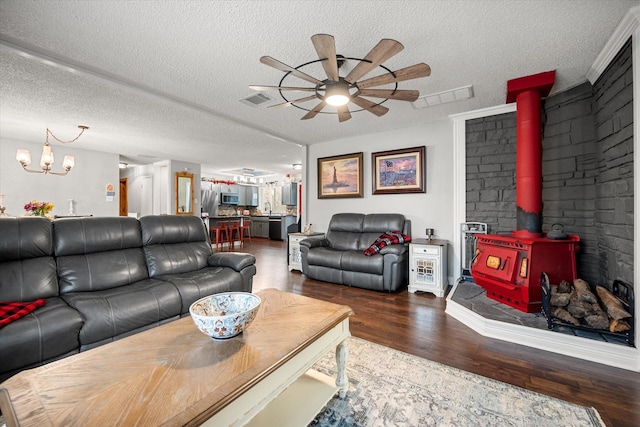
(24,157)
(47,157)
(68,162)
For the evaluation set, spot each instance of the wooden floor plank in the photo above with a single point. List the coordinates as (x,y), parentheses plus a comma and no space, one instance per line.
(417,324)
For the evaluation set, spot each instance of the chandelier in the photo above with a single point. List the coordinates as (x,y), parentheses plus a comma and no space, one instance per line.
(46,160)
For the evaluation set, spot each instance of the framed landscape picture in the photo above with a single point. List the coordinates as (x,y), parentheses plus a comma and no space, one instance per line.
(340,176)
(398,171)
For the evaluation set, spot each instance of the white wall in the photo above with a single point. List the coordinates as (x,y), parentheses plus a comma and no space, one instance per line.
(432,209)
(85,184)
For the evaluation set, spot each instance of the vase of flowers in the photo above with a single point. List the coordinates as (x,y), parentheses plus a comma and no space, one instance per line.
(37,208)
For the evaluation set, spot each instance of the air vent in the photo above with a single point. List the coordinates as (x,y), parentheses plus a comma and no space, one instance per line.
(256,100)
(453,95)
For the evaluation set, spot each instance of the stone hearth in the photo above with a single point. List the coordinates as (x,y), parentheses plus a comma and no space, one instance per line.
(468,303)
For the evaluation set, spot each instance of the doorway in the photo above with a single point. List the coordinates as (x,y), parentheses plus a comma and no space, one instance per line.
(124,197)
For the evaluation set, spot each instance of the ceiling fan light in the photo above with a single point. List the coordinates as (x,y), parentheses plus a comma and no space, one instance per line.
(337,100)
(337,94)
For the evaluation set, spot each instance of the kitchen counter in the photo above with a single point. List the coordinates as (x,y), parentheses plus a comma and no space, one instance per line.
(272,226)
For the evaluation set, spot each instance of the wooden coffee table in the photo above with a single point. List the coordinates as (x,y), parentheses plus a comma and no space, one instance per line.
(174,375)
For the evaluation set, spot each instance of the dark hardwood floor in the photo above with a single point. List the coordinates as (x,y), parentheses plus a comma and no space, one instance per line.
(417,324)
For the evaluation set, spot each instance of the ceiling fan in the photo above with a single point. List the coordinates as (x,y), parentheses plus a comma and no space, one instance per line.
(338,91)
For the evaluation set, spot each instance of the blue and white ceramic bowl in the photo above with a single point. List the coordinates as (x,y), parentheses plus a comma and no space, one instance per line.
(226,314)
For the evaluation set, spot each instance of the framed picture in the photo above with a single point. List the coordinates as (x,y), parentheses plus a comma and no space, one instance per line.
(398,171)
(340,176)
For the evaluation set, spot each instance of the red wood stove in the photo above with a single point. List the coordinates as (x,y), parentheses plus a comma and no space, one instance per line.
(509,266)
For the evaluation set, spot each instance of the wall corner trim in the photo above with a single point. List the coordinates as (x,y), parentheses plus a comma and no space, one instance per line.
(625,29)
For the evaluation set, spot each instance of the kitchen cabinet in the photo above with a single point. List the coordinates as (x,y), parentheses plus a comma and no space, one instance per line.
(290,194)
(260,226)
(247,195)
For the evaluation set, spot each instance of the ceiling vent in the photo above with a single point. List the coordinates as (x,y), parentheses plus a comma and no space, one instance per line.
(452,95)
(256,100)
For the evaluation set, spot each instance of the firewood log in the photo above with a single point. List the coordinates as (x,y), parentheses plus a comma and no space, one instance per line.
(597,321)
(564,287)
(614,307)
(584,292)
(563,314)
(559,300)
(619,326)
(577,307)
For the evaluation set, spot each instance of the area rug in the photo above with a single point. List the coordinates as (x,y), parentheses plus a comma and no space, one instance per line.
(391,388)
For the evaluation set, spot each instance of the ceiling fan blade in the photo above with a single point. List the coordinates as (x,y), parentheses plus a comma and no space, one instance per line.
(326,49)
(311,114)
(400,95)
(384,50)
(343,113)
(378,110)
(286,104)
(408,73)
(267,60)
(294,89)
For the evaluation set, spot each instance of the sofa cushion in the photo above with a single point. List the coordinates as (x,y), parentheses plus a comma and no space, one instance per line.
(391,237)
(174,244)
(102,270)
(73,236)
(29,279)
(176,258)
(112,312)
(357,261)
(345,230)
(27,267)
(207,281)
(98,253)
(326,257)
(46,333)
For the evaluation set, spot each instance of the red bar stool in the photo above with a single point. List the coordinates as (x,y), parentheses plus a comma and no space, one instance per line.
(219,234)
(234,232)
(246,227)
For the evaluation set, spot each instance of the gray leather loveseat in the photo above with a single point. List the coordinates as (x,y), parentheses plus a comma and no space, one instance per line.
(339,257)
(104,278)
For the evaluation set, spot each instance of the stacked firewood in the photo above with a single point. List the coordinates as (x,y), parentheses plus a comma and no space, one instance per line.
(576,304)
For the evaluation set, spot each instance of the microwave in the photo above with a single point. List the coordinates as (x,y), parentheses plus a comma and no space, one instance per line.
(229,199)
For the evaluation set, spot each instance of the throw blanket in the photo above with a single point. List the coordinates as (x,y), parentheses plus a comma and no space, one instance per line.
(393,237)
(10,311)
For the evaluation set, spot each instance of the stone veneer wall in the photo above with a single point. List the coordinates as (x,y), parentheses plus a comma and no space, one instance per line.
(613,113)
(587,167)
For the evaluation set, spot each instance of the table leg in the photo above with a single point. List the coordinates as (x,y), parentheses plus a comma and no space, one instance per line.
(342,351)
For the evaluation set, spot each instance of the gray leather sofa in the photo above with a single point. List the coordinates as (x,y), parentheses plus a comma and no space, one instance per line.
(338,256)
(104,278)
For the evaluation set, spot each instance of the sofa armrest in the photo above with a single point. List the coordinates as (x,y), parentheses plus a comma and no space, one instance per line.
(314,242)
(236,260)
(394,249)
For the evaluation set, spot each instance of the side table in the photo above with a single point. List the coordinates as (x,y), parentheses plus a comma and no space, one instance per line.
(428,266)
(295,256)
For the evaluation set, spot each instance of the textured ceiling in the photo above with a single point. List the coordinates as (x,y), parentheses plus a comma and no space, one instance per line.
(163,79)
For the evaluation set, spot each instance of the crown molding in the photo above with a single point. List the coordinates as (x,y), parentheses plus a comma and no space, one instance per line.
(625,29)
